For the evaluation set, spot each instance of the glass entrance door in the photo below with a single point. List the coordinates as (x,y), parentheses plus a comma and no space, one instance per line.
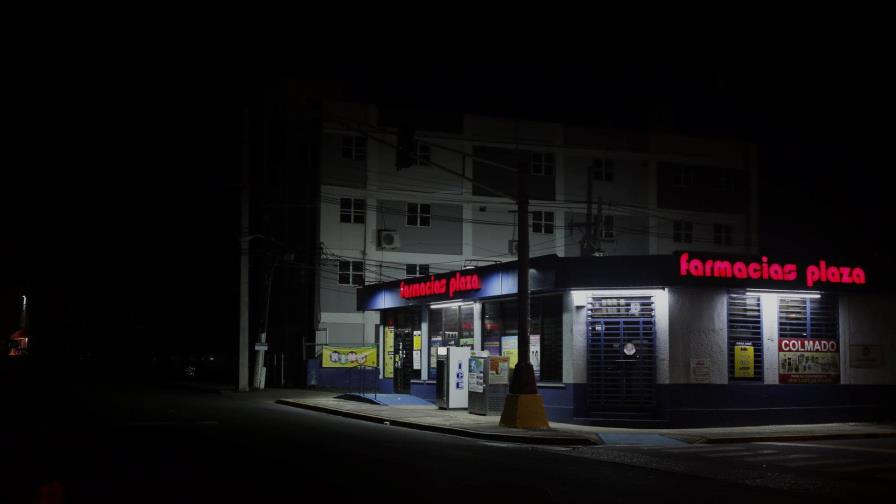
(404,361)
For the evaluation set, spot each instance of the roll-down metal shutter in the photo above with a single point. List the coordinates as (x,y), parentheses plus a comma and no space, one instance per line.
(621,354)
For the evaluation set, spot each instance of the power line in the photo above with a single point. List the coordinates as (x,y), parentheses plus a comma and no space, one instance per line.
(555,225)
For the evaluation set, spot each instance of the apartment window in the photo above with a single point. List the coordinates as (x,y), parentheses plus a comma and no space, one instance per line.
(418,215)
(415,270)
(682,231)
(683,176)
(722,234)
(351,210)
(354,148)
(603,169)
(423,155)
(351,273)
(543,222)
(608,229)
(543,163)
(722,182)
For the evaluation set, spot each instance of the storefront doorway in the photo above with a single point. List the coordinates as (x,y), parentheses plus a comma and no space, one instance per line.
(404,361)
(401,324)
(621,355)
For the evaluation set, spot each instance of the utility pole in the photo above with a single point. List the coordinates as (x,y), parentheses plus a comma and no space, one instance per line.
(523,407)
(523,375)
(587,243)
(243,382)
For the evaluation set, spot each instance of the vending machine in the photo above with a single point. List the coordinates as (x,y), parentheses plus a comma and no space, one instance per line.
(488,380)
(452,366)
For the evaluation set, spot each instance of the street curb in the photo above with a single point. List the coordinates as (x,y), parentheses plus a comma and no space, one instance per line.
(490,436)
(795,437)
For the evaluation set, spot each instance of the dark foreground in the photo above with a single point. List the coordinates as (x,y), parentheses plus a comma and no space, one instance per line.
(98,439)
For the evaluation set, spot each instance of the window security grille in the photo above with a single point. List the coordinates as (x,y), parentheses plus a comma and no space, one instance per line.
(744,329)
(808,318)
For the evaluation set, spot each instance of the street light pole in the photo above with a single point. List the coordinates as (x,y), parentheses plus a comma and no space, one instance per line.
(243,360)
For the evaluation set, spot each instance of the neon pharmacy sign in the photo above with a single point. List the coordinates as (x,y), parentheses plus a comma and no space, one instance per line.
(764,270)
(433,287)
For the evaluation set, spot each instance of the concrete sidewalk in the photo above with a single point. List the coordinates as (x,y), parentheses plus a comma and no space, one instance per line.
(462,423)
(455,422)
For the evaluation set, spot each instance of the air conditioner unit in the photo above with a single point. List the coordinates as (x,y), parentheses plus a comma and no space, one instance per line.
(513,247)
(388,239)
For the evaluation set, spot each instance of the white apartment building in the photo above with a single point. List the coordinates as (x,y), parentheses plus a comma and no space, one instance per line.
(653,194)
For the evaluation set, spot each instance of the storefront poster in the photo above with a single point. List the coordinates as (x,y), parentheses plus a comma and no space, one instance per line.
(388,352)
(509,349)
(434,343)
(866,356)
(498,370)
(808,360)
(342,357)
(743,361)
(700,371)
(476,378)
(417,358)
(492,347)
(418,340)
(535,353)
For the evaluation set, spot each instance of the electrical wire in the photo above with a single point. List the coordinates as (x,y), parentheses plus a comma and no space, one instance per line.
(573,227)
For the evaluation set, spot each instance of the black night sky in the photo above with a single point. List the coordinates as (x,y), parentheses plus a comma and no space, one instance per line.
(122,202)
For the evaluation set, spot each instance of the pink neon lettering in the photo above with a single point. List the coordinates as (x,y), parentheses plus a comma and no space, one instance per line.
(820,273)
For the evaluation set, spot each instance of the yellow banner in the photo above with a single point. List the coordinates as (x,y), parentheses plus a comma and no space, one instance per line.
(743,361)
(342,357)
(388,352)
(510,350)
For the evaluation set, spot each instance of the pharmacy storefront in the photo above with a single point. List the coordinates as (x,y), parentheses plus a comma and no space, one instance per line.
(685,339)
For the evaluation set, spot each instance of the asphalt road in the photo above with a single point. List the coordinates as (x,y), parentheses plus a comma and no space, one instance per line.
(149,444)
(839,469)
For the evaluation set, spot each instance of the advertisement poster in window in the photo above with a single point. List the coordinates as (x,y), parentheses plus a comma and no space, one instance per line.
(434,343)
(418,345)
(509,349)
(743,360)
(388,351)
(493,346)
(808,360)
(535,354)
(476,379)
